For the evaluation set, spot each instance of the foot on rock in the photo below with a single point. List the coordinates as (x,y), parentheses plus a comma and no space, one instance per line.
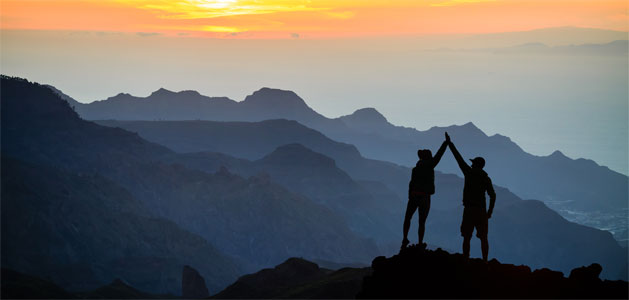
(405,243)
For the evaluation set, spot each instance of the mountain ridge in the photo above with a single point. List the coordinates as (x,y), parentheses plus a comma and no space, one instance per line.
(256,221)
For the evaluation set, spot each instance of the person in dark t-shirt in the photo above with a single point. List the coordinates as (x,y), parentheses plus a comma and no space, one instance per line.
(420,188)
(475,213)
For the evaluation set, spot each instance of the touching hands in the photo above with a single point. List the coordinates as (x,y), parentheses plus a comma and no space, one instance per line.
(448,138)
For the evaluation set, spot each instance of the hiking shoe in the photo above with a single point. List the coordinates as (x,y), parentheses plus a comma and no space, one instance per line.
(405,243)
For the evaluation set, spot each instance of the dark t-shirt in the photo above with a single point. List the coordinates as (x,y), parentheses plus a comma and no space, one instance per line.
(477,182)
(423,178)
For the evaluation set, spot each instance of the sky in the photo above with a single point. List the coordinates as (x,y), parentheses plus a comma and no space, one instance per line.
(310,18)
(420,63)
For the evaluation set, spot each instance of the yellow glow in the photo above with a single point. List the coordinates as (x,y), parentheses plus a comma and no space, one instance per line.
(311,18)
(459,2)
(221,29)
(207,9)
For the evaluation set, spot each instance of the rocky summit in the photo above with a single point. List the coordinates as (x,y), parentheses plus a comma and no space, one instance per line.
(418,273)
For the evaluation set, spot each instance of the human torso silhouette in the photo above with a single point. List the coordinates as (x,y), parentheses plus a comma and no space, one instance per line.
(423,178)
(477,182)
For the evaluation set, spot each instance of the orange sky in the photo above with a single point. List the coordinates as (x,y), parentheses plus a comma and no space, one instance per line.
(310,18)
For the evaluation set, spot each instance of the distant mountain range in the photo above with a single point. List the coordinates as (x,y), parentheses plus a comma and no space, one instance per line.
(296,167)
(16,285)
(579,184)
(257,222)
(83,204)
(613,48)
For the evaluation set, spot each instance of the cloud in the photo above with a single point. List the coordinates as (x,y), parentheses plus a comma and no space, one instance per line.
(459,2)
(96,33)
(147,34)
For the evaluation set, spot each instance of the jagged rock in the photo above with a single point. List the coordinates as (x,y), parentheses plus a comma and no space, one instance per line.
(297,278)
(272,283)
(589,273)
(418,273)
(193,284)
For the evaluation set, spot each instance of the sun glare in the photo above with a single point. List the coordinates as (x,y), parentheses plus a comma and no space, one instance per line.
(207,9)
(215,4)
(310,18)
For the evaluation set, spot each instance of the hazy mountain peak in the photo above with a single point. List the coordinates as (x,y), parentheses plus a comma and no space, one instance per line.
(162,92)
(470,125)
(297,154)
(530,46)
(275,97)
(471,128)
(299,264)
(368,114)
(189,93)
(117,97)
(557,154)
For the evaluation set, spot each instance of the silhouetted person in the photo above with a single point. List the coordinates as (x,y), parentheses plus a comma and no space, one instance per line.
(421,186)
(475,214)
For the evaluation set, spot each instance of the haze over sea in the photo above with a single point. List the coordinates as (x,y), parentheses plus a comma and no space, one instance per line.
(545,97)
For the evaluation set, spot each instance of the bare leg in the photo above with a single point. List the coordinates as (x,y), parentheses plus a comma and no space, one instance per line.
(466,246)
(424,209)
(410,210)
(484,244)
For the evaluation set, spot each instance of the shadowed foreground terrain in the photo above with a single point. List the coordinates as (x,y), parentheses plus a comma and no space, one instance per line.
(16,285)
(437,274)
(297,278)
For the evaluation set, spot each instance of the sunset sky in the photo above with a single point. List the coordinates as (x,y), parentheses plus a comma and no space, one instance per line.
(310,18)
(421,63)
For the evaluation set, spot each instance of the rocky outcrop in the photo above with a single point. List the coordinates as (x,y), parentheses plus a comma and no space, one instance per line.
(297,278)
(193,284)
(437,274)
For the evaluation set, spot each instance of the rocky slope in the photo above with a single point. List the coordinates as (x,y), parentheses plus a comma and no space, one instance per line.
(414,274)
(297,278)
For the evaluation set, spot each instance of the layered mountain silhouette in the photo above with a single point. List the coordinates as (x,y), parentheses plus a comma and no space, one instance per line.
(81,230)
(297,278)
(255,221)
(303,171)
(619,47)
(84,204)
(418,274)
(579,184)
(295,167)
(16,285)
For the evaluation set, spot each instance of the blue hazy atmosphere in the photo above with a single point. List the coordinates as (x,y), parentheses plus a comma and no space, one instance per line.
(569,96)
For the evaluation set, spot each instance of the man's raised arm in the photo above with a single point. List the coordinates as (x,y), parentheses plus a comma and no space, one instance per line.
(439,154)
(464,167)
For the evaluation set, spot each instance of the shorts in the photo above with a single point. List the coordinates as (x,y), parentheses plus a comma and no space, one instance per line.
(474,217)
(420,204)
